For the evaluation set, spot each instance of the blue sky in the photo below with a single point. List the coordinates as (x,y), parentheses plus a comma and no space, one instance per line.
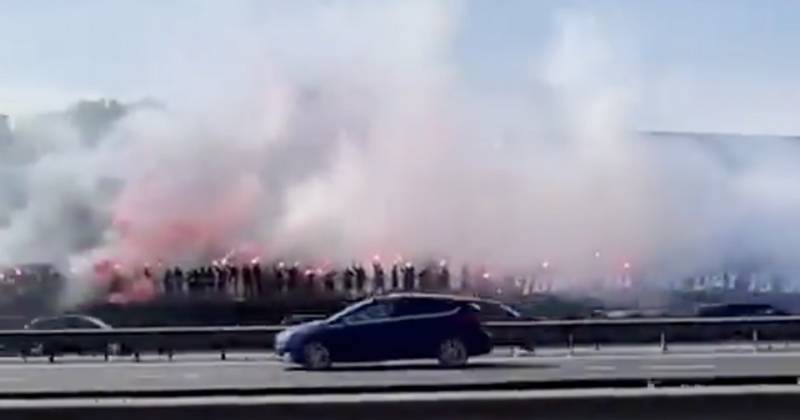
(707,36)
(702,65)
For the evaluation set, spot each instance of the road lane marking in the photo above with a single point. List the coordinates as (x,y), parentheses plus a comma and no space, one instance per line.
(671,356)
(600,368)
(150,376)
(191,376)
(9,379)
(679,367)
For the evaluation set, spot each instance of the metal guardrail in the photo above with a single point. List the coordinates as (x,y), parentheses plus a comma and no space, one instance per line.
(662,331)
(645,330)
(136,341)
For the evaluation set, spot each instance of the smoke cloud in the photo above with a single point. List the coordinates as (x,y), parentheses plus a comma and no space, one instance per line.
(349,130)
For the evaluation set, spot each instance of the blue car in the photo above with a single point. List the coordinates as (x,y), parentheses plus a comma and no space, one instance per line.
(392,327)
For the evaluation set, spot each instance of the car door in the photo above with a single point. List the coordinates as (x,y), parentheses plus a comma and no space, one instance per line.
(364,335)
(89,343)
(56,344)
(420,326)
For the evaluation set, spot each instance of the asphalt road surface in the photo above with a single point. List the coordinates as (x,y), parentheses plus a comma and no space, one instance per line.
(262,371)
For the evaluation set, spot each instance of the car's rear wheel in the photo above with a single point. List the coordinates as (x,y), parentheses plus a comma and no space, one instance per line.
(316,356)
(452,353)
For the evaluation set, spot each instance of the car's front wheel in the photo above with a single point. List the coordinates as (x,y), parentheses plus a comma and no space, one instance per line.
(453,353)
(316,356)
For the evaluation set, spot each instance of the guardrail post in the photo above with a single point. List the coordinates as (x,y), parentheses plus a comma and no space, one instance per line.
(663,342)
(137,357)
(222,355)
(755,340)
(170,354)
(571,344)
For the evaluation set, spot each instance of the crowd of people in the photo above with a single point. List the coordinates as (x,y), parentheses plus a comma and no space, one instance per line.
(256,280)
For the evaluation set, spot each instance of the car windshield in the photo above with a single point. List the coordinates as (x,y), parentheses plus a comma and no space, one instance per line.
(511,312)
(350,310)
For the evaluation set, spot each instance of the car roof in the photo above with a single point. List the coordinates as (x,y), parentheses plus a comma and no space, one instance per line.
(70,316)
(440,296)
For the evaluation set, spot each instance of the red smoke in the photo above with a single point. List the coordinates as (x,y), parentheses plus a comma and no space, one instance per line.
(174,223)
(158,221)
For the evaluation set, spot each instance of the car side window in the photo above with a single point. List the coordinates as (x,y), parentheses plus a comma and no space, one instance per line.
(374,312)
(491,310)
(47,324)
(74,323)
(83,324)
(413,307)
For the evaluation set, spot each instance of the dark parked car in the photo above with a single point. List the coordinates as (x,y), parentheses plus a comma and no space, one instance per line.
(392,327)
(67,322)
(52,347)
(295,319)
(739,309)
(493,311)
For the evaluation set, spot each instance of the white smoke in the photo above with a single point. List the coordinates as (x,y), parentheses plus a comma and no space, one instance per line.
(347,130)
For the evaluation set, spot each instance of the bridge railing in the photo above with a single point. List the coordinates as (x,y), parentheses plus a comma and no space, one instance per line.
(662,331)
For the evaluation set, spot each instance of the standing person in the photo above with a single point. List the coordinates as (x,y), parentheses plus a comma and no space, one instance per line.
(247,279)
(361,279)
(444,278)
(211,280)
(294,277)
(220,278)
(347,280)
(167,282)
(395,277)
(330,282)
(192,281)
(204,283)
(258,280)
(280,277)
(466,280)
(308,284)
(179,282)
(409,277)
(233,280)
(147,274)
(378,281)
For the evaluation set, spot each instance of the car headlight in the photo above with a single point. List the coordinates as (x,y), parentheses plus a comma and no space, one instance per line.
(282,338)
